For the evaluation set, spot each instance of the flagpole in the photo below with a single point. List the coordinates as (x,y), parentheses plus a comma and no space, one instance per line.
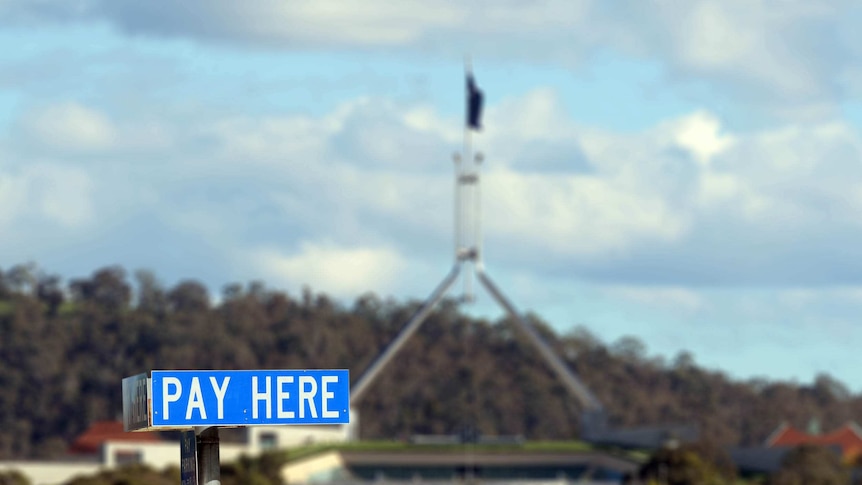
(477,211)
(468,163)
(467,174)
(456,158)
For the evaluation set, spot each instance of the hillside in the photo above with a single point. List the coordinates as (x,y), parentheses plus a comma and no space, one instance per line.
(64,348)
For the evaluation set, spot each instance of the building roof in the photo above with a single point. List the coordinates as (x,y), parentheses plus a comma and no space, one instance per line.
(91,440)
(503,465)
(758,459)
(847,437)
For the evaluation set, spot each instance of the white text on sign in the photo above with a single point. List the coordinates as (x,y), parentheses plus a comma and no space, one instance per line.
(201,398)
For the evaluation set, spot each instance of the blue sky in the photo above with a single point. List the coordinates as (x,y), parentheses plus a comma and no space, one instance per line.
(689,173)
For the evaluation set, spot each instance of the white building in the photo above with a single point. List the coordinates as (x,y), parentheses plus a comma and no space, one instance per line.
(162,454)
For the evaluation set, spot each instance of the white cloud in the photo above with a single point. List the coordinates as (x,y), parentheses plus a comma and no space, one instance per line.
(782,58)
(68,126)
(575,216)
(796,61)
(45,193)
(678,300)
(683,202)
(716,38)
(686,221)
(343,271)
(699,134)
(289,141)
(64,196)
(13,197)
(340,21)
(538,115)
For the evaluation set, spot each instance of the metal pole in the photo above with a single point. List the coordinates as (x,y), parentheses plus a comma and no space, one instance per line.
(464,185)
(456,157)
(209,468)
(570,380)
(358,390)
(477,211)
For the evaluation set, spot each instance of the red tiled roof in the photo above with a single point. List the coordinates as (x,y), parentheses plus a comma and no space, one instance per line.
(848,437)
(91,440)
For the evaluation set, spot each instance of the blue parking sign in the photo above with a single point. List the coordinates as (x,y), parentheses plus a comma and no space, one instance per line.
(183,399)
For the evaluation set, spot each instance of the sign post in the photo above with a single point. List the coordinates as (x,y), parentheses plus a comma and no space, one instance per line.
(188,459)
(201,401)
(208,456)
(136,404)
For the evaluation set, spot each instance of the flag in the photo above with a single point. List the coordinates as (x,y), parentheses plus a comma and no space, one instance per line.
(474,104)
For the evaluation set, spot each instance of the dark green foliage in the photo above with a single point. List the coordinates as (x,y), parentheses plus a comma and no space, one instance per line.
(262,470)
(13,478)
(811,465)
(65,349)
(696,464)
(131,475)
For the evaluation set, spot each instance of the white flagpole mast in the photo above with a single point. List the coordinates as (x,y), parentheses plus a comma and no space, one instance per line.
(467,251)
(465,179)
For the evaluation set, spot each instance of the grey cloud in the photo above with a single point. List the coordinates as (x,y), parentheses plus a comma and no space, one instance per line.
(740,257)
(794,62)
(637,215)
(18,12)
(373,135)
(777,208)
(563,156)
(724,256)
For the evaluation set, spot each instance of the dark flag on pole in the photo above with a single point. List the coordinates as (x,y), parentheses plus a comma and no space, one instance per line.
(474,104)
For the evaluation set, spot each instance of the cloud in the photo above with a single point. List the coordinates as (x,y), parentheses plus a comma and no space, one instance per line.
(575,217)
(298,23)
(380,134)
(68,126)
(699,134)
(678,300)
(225,142)
(649,232)
(42,193)
(685,202)
(304,23)
(785,60)
(342,271)
(537,115)
(13,197)
(796,62)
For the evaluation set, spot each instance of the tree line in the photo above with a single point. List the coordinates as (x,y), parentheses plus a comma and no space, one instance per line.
(65,347)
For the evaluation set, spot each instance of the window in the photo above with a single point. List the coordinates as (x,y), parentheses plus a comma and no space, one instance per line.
(268,441)
(127,457)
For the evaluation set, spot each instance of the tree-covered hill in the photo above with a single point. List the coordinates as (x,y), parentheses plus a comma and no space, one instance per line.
(65,347)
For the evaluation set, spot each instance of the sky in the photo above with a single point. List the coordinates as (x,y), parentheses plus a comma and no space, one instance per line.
(688,173)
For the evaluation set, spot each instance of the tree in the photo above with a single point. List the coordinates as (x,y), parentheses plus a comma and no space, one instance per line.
(21,278)
(59,371)
(629,348)
(683,360)
(826,388)
(151,295)
(189,296)
(811,465)
(263,470)
(107,288)
(49,291)
(700,464)
(13,478)
(131,475)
